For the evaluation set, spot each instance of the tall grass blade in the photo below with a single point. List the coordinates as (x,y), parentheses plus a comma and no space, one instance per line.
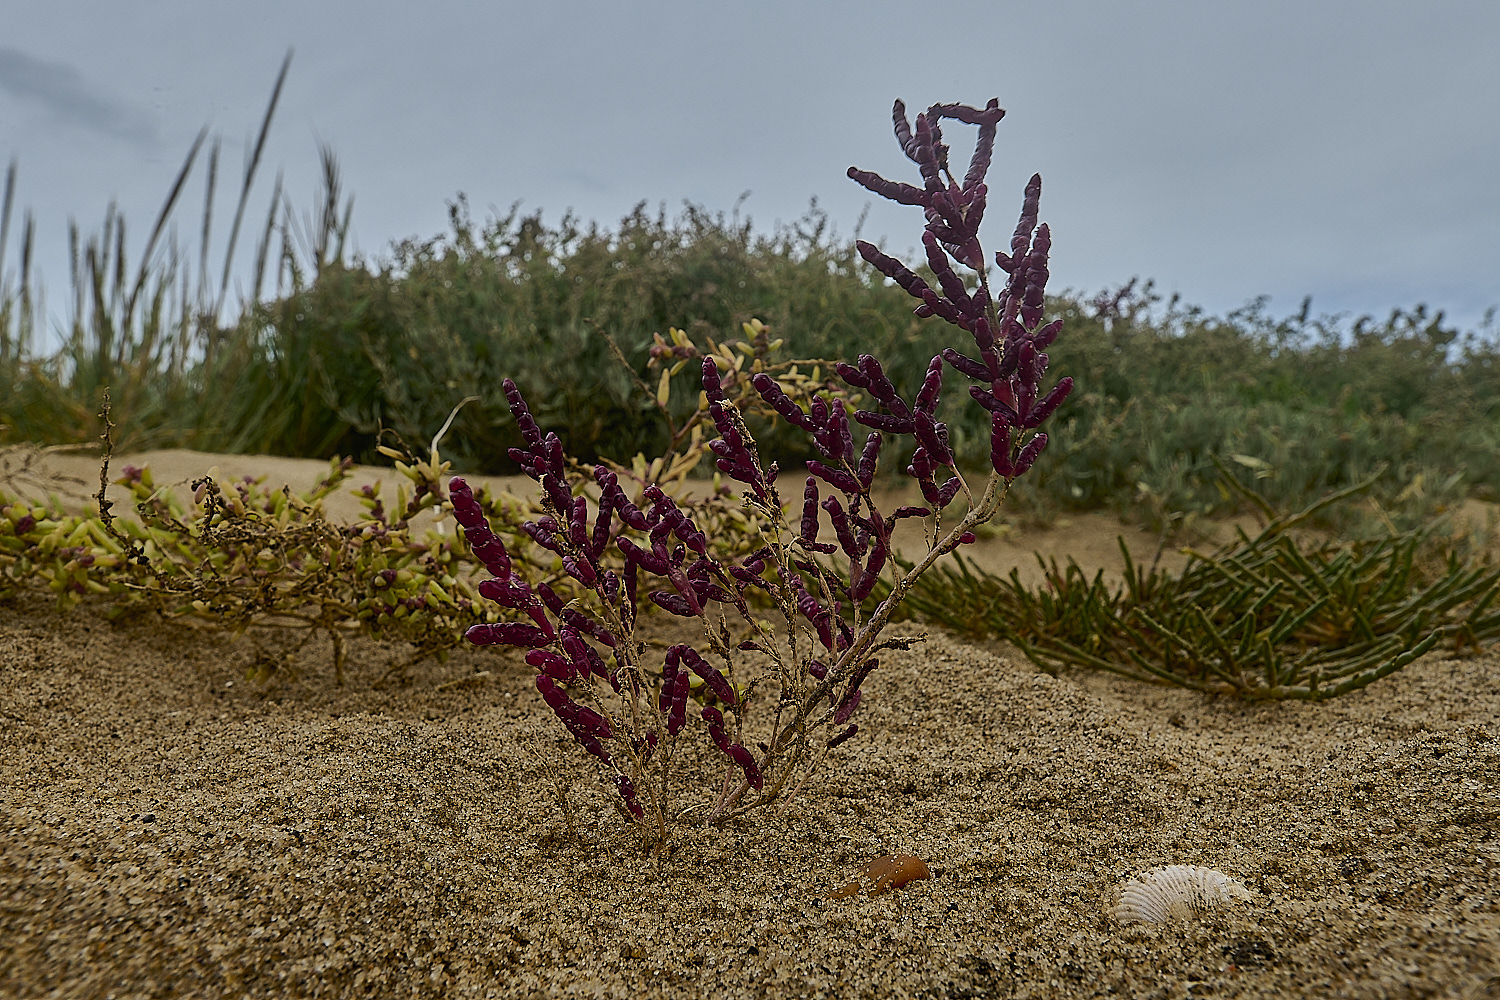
(144,272)
(263,246)
(252,164)
(6,204)
(209,188)
(9,354)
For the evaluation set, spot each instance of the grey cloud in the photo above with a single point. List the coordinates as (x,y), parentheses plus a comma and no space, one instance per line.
(64,92)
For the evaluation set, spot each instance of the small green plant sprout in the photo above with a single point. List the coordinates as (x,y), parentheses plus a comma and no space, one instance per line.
(1268,617)
(771,702)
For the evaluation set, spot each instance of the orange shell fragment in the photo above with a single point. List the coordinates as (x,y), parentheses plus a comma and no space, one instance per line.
(884,874)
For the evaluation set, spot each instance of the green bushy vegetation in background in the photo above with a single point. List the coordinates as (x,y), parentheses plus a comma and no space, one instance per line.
(345,346)
(450,317)
(1296,408)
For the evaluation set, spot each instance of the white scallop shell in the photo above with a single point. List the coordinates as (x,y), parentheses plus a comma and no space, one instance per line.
(1176,892)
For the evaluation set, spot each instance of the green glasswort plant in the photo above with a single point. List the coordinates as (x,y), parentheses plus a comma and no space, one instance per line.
(789,693)
(242,556)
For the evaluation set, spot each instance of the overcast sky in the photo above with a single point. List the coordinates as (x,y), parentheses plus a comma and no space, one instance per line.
(1345,150)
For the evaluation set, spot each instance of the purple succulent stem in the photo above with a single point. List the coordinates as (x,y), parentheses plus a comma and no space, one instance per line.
(578,522)
(627,792)
(506,634)
(1048,333)
(673,604)
(600,539)
(1030,209)
(832,433)
(483,542)
(592,723)
(868,459)
(896,191)
(715,720)
(549,598)
(1000,446)
(588,626)
(872,569)
(858,678)
(609,484)
(932,387)
(529,430)
(813,611)
(746,761)
(884,422)
(926,431)
(926,154)
(1036,277)
(711,381)
(837,478)
(881,387)
(966,366)
(552,665)
(581,570)
(922,466)
(539,615)
(631,578)
(840,521)
(896,271)
(637,556)
(711,675)
(903,130)
(843,737)
(670,665)
(1049,403)
(852,375)
(684,586)
(948,491)
(513,593)
(541,535)
(994,404)
(1030,453)
(809,525)
(846,709)
(678,715)
(773,394)
(984,148)
(989,115)
(953,288)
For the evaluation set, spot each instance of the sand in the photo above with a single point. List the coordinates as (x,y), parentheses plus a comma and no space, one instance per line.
(170,829)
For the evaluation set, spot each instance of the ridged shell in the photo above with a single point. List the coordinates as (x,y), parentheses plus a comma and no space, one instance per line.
(1176,892)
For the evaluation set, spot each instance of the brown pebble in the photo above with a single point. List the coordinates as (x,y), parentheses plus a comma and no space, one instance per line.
(884,874)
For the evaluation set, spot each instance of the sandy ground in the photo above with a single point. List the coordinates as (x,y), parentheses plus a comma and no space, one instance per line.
(170,830)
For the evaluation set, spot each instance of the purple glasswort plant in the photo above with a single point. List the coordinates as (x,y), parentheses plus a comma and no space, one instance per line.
(630,709)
